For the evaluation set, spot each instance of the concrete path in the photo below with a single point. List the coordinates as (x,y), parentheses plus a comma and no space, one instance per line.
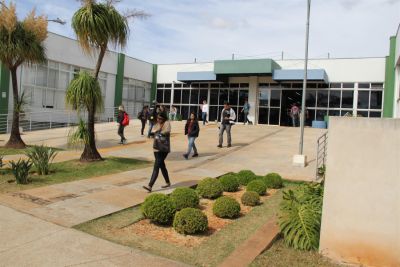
(28,241)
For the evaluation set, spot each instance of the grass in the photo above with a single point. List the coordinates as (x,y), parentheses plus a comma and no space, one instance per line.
(279,255)
(68,171)
(209,253)
(13,151)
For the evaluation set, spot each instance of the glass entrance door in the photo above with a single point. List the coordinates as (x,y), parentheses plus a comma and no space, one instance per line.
(269,110)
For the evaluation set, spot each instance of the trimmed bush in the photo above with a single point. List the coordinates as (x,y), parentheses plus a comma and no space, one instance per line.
(190,221)
(159,208)
(272,180)
(246,176)
(185,197)
(250,198)
(230,182)
(257,186)
(226,207)
(209,188)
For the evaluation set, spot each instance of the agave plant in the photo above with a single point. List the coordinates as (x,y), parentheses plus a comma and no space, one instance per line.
(20,170)
(300,216)
(41,157)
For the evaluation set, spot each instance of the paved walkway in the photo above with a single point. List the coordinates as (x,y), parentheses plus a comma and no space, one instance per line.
(262,149)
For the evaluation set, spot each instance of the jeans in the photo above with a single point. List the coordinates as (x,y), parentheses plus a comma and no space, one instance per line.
(204,117)
(121,129)
(246,117)
(143,126)
(294,121)
(224,127)
(159,163)
(191,145)
(151,124)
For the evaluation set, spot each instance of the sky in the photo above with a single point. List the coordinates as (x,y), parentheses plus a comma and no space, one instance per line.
(180,31)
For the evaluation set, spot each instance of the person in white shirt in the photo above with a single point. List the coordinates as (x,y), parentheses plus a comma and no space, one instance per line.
(204,111)
(228,118)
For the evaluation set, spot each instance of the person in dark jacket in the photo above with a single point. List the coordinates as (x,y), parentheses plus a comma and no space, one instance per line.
(121,128)
(152,117)
(143,116)
(192,131)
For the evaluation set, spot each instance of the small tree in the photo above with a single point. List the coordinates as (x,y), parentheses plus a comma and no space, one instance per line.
(97,25)
(20,42)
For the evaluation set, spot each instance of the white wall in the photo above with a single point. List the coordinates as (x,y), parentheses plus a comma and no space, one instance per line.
(137,69)
(168,73)
(344,70)
(361,208)
(66,50)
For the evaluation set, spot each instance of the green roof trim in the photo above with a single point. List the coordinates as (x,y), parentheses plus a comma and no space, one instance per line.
(119,80)
(245,66)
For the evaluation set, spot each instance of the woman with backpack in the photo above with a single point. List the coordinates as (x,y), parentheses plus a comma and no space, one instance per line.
(192,130)
(123,120)
(161,146)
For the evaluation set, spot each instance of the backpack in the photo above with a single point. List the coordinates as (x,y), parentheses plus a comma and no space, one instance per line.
(125,121)
(140,115)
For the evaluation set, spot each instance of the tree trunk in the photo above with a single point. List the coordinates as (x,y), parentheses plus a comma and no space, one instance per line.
(90,152)
(15,140)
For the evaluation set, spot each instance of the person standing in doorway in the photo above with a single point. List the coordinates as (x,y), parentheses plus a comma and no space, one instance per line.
(152,117)
(122,123)
(161,146)
(246,110)
(204,111)
(228,117)
(192,130)
(143,117)
(294,114)
(172,113)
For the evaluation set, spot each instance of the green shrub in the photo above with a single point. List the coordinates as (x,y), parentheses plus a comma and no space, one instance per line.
(159,208)
(226,207)
(230,182)
(190,221)
(257,186)
(20,170)
(185,197)
(209,188)
(300,216)
(250,198)
(272,180)
(246,176)
(41,157)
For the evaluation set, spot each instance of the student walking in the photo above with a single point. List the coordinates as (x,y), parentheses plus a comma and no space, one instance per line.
(123,121)
(192,130)
(172,113)
(204,112)
(246,110)
(228,117)
(161,148)
(143,117)
(294,114)
(152,117)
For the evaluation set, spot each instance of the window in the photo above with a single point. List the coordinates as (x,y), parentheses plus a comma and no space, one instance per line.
(363,99)
(348,85)
(322,98)
(347,99)
(275,98)
(194,96)
(376,100)
(177,96)
(167,96)
(185,96)
(334,98)
(233,97)
(311,99)
(335,85)
(363,85)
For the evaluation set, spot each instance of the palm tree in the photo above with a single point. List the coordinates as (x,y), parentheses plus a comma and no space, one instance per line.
(20,42)
(97,25)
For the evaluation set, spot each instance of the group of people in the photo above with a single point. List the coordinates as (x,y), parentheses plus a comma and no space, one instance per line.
(160,130)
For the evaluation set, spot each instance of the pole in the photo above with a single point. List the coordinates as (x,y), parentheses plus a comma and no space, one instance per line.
(303,98)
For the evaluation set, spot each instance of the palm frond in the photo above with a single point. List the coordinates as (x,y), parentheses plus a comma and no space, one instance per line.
(83,92)
(78,136)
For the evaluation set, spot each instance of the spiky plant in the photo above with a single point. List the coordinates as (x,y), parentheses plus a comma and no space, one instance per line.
(41,157)
(20,42)
(300,216)
(79,135)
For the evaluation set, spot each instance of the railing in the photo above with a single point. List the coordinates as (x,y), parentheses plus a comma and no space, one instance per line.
(49,119)
(322,144)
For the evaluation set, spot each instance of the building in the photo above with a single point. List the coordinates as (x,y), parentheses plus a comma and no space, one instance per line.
(367,87)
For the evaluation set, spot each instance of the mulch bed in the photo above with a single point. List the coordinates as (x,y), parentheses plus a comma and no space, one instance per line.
(167,233)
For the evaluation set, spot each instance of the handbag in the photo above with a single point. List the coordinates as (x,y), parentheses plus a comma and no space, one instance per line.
(161,142)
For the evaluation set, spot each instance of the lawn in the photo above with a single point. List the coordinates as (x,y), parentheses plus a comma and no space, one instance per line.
(68,171)
(212,251)
(279,255)
(12,151)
